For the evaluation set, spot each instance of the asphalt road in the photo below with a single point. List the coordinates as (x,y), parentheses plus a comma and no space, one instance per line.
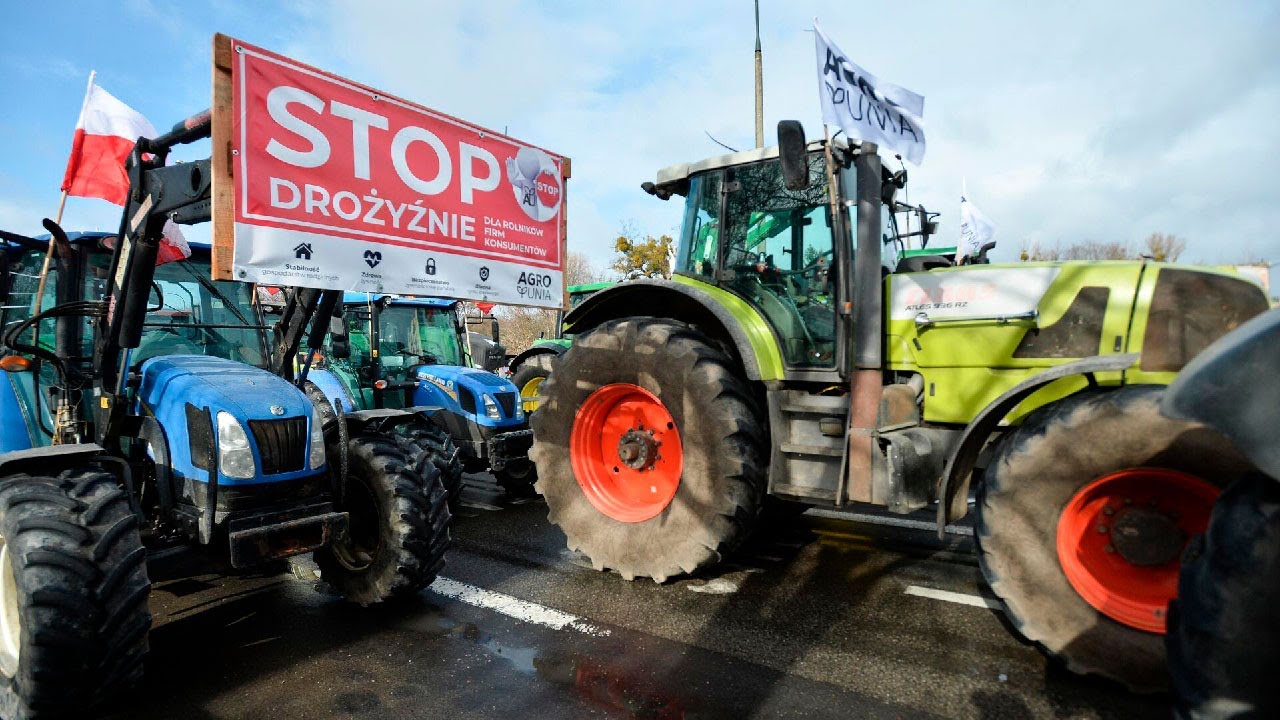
(822,617)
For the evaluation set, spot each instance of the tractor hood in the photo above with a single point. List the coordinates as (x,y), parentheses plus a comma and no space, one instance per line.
(466,389)
(247,392)
(176,390)
(473,378)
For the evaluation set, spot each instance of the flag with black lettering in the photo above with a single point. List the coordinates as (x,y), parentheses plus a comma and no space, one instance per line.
(866,108)
(975,230)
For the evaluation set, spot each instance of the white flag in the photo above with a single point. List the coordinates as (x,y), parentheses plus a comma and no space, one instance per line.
(975,230)
(866,108)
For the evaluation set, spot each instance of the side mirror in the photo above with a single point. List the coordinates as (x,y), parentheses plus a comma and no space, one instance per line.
(339,343)
(493,327)
(791,153)
(339,348)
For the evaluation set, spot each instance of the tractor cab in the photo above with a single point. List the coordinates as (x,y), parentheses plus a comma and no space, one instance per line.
(773,247)
(390,340)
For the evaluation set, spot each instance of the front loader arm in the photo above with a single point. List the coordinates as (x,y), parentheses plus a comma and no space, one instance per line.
(157,193)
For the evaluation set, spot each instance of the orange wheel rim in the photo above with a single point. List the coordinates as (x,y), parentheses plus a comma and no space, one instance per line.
(1121,537)
(625,452)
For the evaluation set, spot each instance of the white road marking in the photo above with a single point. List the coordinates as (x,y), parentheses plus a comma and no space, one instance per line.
(955,597)
(514,607)
(891,521)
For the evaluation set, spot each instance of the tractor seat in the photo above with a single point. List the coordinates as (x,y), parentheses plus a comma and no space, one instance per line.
(923,263)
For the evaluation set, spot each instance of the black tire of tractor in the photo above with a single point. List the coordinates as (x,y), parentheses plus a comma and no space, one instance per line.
(430,447)
(1224,632)
(518,478)
(536,366)
(80,572)
(411,526)
(717,503)
(328,417)
(1034,472)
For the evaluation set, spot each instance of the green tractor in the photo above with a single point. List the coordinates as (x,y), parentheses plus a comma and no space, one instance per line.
(531,367)
(797,357)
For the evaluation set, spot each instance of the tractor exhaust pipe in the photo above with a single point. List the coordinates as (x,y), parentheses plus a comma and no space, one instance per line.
(866,379)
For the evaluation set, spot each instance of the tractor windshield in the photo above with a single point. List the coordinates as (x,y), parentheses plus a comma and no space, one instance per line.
(410,335)
(773,247)
(194,315)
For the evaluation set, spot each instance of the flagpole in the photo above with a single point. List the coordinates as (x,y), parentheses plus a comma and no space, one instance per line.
(62,205)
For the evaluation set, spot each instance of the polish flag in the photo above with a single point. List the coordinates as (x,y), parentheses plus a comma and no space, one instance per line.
(105,135)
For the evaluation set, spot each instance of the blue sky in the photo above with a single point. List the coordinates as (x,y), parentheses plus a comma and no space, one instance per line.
(1070,121)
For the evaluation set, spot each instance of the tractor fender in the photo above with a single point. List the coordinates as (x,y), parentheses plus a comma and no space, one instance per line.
(553,349)
(49,459)
(153,434)
(953,489)
(748,337)
(377,420)
(334,391)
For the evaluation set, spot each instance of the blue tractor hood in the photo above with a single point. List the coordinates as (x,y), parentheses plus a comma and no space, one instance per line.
(437,382)
(176,384)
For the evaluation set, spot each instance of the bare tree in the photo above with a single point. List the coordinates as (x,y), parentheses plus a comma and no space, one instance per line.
(1164,247)
(1085,250)
(578,270)
(521,327)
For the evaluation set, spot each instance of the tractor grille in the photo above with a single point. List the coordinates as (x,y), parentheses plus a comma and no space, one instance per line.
(507,401)
(282,444)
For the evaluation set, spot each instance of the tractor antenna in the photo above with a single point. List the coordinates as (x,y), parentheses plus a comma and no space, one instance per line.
(714,140)
(759,84)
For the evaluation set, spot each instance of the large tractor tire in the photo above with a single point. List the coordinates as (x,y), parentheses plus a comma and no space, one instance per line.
(528,379)
(1224,630)
(430,447)
(73,594)
(1082,515)
(650,449)
(399,526)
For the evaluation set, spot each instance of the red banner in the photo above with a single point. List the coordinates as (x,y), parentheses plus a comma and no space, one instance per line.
(340,186)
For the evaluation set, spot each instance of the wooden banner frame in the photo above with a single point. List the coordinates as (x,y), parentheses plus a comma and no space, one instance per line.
(223,182)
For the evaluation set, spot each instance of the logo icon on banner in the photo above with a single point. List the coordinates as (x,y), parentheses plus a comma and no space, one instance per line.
(302,251)
(535,180)
(372,257)
(484,273)
(431,266)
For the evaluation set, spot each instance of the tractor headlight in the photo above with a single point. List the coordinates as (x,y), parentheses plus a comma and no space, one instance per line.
(491,408)
(316,458)
(235,457)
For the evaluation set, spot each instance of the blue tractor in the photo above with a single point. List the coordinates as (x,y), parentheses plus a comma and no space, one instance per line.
(144,420)
(413,353)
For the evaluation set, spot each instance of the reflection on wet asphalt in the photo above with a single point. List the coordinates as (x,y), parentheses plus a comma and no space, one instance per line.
(811,620)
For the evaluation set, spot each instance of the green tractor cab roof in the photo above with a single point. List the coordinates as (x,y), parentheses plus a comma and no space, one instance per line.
(589,287)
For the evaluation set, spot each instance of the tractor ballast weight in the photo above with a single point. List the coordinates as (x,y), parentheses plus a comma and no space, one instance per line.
(792,357)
